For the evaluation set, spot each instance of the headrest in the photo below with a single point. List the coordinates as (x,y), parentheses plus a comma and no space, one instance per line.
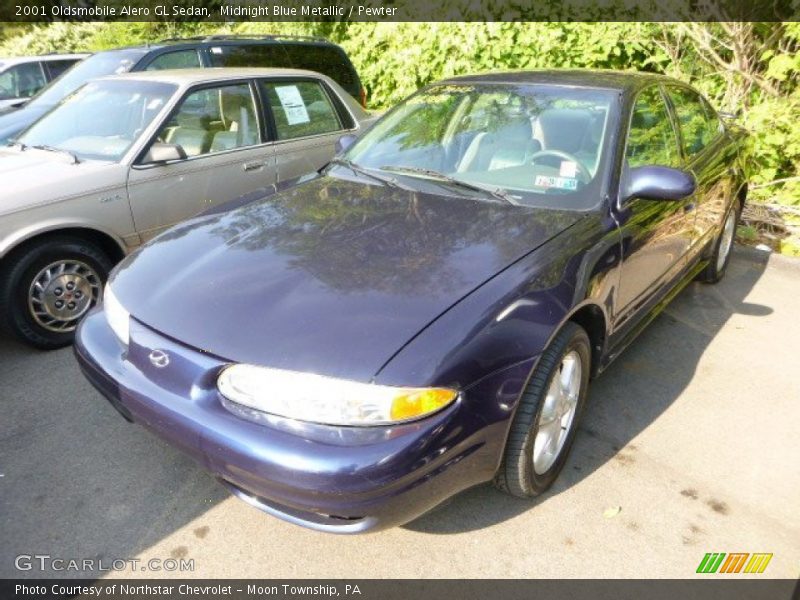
(565,128)
(231,105)
(518,129)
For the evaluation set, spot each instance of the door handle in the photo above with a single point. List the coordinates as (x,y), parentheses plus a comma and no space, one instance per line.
(252,166)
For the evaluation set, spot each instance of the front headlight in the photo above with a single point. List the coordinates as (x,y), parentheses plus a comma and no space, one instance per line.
(118,318)
(326,400)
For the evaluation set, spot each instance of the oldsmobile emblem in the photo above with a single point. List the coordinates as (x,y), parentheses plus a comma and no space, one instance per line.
(159,359)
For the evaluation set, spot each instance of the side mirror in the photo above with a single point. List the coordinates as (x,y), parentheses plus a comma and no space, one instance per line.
(344,142)
(657,183)
(160,153)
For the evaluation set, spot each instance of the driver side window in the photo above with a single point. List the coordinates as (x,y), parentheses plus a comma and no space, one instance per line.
(651,138)
(21,81)
(214,120)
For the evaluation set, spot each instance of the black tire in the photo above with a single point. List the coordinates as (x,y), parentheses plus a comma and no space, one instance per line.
(714,271)
(516,475)
(17,276)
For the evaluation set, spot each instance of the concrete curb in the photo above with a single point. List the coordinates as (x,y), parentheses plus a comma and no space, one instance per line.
(773,259)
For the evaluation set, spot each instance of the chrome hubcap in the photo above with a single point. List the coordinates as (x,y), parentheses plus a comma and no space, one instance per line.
(61,293)
(727,240)
(558,413)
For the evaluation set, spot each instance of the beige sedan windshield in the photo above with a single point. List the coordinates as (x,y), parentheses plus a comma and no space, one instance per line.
(101,120)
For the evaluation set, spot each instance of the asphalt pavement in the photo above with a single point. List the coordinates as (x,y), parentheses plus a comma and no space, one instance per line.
(689,445)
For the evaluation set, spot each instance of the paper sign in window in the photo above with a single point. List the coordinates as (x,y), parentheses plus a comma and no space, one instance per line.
(293,106)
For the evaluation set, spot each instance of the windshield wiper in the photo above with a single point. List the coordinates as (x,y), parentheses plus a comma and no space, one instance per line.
(499,193)
(72,155)
(358,169)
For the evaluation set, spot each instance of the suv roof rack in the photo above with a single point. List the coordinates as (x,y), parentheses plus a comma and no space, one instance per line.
(247,36)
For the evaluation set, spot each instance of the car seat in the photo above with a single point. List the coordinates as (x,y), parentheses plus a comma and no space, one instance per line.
(240,127)
(509,145)
(190,133)
(564,129)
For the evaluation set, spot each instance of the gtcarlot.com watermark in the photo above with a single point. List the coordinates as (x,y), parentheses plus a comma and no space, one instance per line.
(46,562)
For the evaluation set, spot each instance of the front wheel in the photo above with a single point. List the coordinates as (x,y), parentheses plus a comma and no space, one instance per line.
(723,245)
(46,290)
(547,416)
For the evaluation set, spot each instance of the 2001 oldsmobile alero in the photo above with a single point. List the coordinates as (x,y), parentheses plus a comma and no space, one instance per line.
(425,313)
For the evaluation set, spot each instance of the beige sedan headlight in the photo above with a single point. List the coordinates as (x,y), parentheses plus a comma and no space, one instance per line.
(118,318)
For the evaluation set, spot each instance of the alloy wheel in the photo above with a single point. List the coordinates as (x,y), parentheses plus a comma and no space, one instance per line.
(558,413)
(61,293)
(726,242)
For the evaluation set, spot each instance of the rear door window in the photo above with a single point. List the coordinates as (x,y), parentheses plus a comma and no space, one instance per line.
(250,55)
(326,59)
(651,138)
(180,59)
(698,123)
(57,67)
(300,109)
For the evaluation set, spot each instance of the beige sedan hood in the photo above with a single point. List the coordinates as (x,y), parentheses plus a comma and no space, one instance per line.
(31,177)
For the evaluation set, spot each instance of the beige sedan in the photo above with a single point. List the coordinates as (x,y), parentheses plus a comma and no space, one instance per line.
(127,156)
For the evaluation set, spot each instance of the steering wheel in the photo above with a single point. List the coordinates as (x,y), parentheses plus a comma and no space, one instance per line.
(586,177)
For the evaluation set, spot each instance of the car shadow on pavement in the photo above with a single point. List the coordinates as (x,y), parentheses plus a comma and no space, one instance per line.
(78,481)
(628,397)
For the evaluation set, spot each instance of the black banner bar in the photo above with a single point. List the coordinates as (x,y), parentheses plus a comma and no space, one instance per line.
(29,11)
(714,588)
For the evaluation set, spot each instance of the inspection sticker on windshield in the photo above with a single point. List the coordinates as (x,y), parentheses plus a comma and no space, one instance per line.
(564,183)
(292,103)
(569,168)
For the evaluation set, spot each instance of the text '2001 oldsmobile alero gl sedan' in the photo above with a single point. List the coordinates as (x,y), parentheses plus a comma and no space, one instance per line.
(426,312)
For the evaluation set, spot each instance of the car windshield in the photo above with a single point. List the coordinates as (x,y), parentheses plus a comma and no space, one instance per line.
(534,144)
(97,65)
(101,120)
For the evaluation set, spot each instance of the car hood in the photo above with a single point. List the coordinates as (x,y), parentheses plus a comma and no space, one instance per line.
(330,276)
(34,177)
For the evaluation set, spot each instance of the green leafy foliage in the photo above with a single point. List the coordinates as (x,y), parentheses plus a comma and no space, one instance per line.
(754,67)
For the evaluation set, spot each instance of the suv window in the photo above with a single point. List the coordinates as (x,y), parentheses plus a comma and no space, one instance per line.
(98,65)
(326,59)
(57,67)
(214,119)
(698,122)
(21,81)
(180,59)
(251,55)
(651,139)
(300,108)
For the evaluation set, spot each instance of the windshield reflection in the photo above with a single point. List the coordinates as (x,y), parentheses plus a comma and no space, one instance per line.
(524,139)
(101,120)
(353,235)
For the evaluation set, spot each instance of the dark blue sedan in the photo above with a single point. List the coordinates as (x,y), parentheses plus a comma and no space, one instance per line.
(426,312)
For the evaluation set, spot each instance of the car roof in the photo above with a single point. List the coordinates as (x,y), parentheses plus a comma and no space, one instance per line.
(216,40)
(18,60)
(186,77)
(627,81)
(247,39)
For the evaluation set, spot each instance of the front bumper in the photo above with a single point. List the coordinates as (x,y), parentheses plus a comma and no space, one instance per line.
(336,479)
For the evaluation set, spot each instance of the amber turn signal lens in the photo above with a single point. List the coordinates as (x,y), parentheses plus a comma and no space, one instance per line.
(418,403)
